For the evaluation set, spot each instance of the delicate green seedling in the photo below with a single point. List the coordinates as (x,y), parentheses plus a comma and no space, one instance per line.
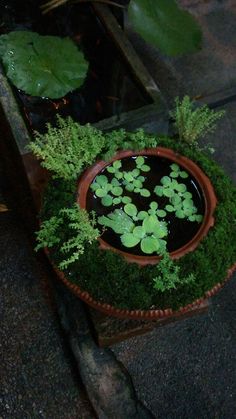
(169,187)
(168,276)
(115,169)
(154,210)
(100,186)
(177,172)
(104,190)
(134,183)
(184,207)
(140,164)
(122,199)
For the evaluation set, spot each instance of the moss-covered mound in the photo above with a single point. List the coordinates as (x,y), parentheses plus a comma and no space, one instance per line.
(109,278)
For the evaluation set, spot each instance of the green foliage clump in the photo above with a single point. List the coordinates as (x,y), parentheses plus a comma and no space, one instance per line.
(193,124)
(69,148)
(81,230)
(168,276)
(122,140)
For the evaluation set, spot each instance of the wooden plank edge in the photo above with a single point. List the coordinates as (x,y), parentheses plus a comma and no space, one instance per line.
(137,67)
(104,341)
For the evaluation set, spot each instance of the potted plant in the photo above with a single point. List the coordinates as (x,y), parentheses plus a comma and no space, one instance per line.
(143,232)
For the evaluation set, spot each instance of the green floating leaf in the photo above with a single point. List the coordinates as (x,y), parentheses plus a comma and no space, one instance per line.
(117,190)
(169,208)
(174,174)
(180,214)
(115,182)
(46,66)
(118,221)
(153,205)
(198,218)
(101,180)
(139,161)
(116,201)
(161,213)
(107,201)
(126,199)
(145,168)
(129,187)
(165,180)
(163,24)
(174,167)
(138,183)
(94,186)
(183,174)
(128,176)
(119,175)
(150,245)
(160,230)
(131,210)
(150,223)
(175,200)
(180,187)
(141,178)
(135,172)
(117,164)
(139,232)
(129,240)
(158,190)
(142,215)
(187,195)
(100,193)
(168,193)
(145,192)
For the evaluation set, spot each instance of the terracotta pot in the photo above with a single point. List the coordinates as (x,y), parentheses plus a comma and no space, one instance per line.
(136,314)
(206,187)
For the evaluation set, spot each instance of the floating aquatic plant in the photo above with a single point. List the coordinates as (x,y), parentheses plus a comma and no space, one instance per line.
(148,226)
(150,235)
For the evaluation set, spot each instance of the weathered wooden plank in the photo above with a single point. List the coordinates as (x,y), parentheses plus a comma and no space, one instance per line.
(138,69)
(111,330)
(13,115)
(149,117)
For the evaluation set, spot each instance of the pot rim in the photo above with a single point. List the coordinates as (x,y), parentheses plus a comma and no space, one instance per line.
(204,182)
(137,314)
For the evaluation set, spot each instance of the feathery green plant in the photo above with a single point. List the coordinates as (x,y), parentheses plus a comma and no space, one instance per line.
(122,140)
(81,226)
(169,275)
(191,123)
(67,149)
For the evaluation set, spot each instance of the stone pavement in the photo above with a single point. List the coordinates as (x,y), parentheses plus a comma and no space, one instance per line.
(38,378)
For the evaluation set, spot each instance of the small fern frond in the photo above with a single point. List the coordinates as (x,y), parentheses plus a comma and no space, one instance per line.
(193,124)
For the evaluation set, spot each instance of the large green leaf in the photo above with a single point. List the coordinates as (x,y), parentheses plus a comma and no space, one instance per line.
(46,66)
(118,221)
(163,24)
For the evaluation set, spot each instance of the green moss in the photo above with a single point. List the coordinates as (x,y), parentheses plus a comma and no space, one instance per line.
(109,278)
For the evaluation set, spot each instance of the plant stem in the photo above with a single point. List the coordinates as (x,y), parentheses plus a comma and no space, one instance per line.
(52,4)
